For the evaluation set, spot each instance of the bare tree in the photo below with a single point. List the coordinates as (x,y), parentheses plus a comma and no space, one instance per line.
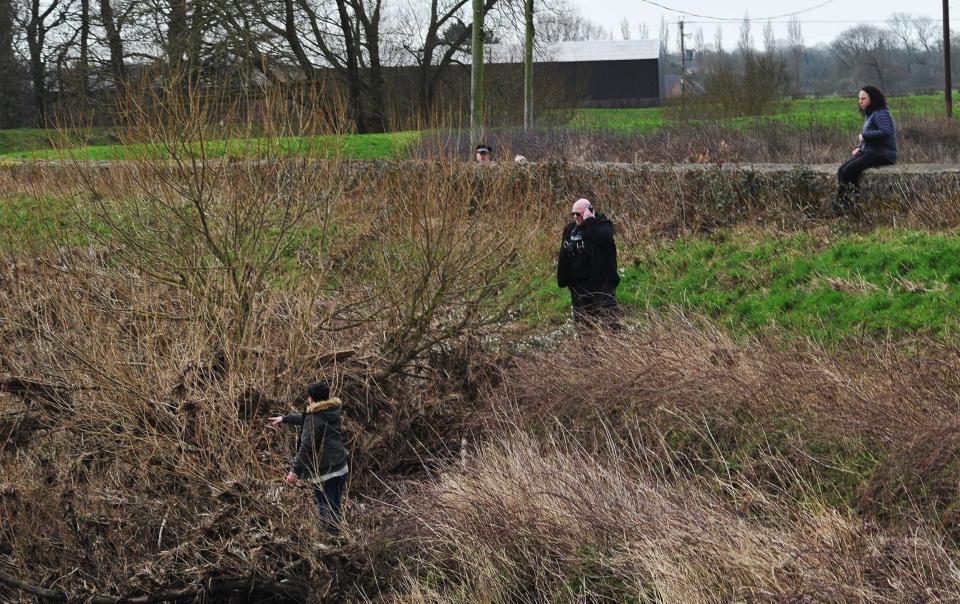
(562,22)
(745,42)
(865,48)
(769,39)
(643,30)
(38,21)
(625,29)
(664,35)
(114,40)
(10,73)
(925,33)
(795,44)
(444,37)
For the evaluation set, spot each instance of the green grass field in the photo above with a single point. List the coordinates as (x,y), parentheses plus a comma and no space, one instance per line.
(893,282)
(832,113)
(96,143)
(348,146)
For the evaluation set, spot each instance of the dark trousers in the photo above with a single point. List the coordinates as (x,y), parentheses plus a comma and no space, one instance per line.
(328,496)
(594,308)
(848,180)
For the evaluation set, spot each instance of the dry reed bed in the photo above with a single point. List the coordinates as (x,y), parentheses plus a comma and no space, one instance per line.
(152,468)
(525,519)
(148,464)
(148,467)
(672,463)
(878,421)
(920,140)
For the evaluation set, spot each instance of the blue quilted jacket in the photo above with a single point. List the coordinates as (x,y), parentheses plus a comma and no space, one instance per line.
(880,134)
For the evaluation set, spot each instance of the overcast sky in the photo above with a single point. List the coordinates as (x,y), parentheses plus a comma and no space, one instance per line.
(819,24)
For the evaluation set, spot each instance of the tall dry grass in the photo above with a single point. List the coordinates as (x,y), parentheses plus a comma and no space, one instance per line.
(672,463)
(874,424)
(534,520)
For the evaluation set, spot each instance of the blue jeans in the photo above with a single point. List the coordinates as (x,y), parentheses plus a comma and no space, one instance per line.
(328,497)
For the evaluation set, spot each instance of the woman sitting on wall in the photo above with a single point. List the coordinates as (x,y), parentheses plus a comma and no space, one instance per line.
(878,147)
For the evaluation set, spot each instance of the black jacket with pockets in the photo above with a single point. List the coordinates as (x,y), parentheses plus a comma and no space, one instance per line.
(588,256)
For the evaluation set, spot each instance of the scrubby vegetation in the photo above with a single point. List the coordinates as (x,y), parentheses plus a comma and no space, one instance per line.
(776,421)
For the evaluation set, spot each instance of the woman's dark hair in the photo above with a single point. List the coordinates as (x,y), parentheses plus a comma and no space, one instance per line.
(877,100)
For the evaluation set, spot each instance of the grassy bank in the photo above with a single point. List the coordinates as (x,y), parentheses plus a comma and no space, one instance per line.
(803,115)
(890,283)
(349,146)
(822,284)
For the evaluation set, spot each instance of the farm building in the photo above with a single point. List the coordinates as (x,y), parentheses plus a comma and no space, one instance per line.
(598,73)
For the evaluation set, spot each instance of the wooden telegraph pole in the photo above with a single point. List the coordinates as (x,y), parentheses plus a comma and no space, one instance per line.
(528,67)
(476,74)
(947,80)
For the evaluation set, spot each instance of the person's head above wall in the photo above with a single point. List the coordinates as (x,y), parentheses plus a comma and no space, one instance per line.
(484,152)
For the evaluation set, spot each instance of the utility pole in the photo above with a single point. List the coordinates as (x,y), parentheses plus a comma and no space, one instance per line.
(476,74)
(683,62)
(528,68)
(947,80)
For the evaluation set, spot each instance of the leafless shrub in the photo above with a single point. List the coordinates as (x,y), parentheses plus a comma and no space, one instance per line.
(201,221)
(157,458)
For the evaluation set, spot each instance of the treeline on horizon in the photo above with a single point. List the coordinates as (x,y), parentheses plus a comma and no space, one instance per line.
(398,65)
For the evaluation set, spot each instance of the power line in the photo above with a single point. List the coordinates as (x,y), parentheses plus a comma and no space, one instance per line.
(714,19)
(821,22)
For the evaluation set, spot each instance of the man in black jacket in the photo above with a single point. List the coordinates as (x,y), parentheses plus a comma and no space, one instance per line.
(321,458)
(588,265)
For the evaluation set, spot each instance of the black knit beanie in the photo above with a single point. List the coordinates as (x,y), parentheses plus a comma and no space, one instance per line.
(318,392)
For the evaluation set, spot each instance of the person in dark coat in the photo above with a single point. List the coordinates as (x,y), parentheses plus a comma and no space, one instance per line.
(878,147)
(588,265)
(321,458)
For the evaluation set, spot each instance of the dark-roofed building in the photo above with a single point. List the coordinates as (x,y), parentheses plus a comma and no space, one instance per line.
(600,73)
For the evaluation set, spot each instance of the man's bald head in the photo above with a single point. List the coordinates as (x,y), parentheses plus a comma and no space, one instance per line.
(581,210)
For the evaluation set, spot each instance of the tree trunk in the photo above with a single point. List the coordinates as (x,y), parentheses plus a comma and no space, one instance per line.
(114,42)
(36,32)
(9,70)
(352,68)
(177,33)
(375,118)
(83,61)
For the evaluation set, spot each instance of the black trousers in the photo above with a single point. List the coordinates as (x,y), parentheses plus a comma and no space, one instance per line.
(593,308)
(848,180)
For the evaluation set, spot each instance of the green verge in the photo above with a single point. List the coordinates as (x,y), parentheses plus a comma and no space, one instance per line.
(32,139)
(832,113)
(390,145)
(889,283)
